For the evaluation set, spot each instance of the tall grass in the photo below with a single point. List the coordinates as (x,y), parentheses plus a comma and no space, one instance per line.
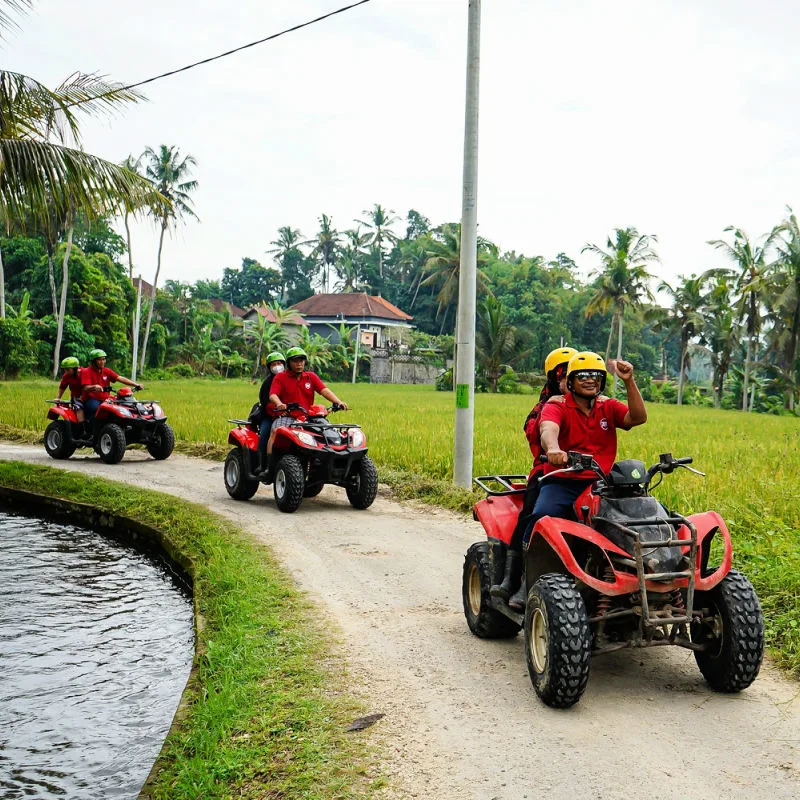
(751,461)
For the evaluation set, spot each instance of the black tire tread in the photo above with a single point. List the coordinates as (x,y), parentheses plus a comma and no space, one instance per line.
(118,450)
(162,448)
(363,495)
(487,623)
(65,450)
(570,640)
(294,471)
(736,666)
(244,487)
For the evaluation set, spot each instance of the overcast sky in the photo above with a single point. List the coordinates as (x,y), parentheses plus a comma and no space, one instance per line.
(676,117)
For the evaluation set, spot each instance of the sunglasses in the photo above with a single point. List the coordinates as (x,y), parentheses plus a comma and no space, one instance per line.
(589,375)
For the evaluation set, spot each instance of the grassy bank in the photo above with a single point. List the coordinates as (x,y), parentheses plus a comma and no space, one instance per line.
(751,462)
(264,715)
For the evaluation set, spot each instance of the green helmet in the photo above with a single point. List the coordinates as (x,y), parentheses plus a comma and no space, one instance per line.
(296,352)
(96,353)
(276,356)
(70,362)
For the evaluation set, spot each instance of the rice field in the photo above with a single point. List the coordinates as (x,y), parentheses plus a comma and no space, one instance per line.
(752,461)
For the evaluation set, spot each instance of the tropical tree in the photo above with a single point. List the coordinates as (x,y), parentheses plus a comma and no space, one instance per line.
(787,302)
(326,248)
(351,256)
(443,266)
(720,332)
(685,318)
(752,286)
(496,341)
(378,223)
(132,165)
(287,254)
(622,281)
(169,171)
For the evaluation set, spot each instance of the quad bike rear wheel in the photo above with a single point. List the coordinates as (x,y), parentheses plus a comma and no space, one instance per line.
(483,620)
(56,440)
(557,640)
(235,474)
(290,481)
(733,633)
(111,443)
(361,493)
(163,442)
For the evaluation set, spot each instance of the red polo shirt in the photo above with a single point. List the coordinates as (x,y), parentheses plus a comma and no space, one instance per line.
(595,433)
(104,377)
(71,382)
(296,388)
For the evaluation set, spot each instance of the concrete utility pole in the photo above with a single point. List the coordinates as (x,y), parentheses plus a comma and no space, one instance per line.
(136,322)
(465,327)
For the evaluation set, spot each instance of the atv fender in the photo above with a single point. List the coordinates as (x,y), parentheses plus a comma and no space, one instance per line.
(499,514)
(708,524)
(62,412)
(243,437)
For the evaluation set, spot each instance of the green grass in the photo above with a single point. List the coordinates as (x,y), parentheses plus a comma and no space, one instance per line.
(752,462)
(264,715)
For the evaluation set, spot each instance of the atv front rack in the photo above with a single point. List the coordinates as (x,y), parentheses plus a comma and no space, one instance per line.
(506,481)
(653,622)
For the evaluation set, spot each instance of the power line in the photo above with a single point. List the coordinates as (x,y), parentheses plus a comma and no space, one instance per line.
(227,53)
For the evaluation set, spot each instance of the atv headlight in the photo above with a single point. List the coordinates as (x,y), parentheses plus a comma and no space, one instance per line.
(307,439)
(157,410)
(357,437)
(123,412)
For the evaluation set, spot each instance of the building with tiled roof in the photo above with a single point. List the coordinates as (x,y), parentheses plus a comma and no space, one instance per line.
(376,319)
(221,306)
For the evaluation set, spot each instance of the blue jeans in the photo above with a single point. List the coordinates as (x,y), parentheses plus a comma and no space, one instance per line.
(263,438)
(556,498)
(90,406)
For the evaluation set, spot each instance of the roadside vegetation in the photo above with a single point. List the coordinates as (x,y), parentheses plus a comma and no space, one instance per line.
(264,714)
(751,470)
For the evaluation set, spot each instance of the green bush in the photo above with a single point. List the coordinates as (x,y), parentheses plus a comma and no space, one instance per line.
(444,381)
(17,353)
(508,383)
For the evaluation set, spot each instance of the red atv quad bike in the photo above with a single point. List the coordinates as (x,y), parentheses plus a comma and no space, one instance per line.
(308,454)
(121,420)
(628,574)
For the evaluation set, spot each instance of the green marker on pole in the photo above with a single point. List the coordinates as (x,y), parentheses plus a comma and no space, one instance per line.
(462,395)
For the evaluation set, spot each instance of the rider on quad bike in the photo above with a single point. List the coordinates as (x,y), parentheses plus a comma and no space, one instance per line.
(555,369)
(96,380)
(71,379)
(294,385)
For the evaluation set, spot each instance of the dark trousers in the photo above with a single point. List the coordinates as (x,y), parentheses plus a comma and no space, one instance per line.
(263,438)
(90,406)
(556,499)
(528,503)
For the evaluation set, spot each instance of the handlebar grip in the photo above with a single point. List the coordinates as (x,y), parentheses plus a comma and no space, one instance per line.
(542,458)
(687,460)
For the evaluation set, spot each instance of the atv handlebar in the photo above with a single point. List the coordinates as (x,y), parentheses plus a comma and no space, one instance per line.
(583,462)
(298,407)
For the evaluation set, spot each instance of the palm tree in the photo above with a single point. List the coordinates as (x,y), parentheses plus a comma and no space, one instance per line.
(622,281)
(787,303)
(284,247)
(685,318)
(443,266)
(132,165)
(752,286)
(348,267)
(169,172)
(496,342)
(721,332)
(380,219)
(326,248)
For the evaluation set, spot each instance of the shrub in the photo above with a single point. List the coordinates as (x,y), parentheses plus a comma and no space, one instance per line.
(508,383)
(17,353)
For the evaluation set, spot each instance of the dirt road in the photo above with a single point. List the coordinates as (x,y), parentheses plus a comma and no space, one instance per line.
(461,716)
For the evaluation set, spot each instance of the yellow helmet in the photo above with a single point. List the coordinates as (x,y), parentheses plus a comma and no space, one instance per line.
(586,361)
(560,356)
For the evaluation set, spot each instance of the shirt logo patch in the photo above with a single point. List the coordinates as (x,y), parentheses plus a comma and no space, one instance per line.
(604,424)
(308,385)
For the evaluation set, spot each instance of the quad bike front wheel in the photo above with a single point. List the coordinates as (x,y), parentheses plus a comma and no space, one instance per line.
(237,483)
(111,443)
(483,620)
(290,481)
(163,443)
(56,440)
(361,493)
(313,489)
(558,642)
(732,629)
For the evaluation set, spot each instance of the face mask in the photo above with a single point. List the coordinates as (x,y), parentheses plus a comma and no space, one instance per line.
(276,369)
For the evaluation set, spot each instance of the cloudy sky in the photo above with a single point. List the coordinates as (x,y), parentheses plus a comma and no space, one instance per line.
(676,117)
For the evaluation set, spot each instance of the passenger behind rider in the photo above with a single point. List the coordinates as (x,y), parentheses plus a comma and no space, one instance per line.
(296,384)
(555,369)
(96,380)
(71,379)
(276,362)
(586,421)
